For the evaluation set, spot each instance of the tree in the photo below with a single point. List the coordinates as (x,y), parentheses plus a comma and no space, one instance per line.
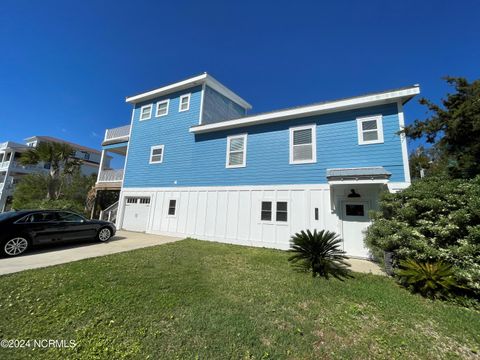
(59,157)
(454,128)
(30,193)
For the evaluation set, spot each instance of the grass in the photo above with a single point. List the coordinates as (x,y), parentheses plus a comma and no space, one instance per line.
(201,300)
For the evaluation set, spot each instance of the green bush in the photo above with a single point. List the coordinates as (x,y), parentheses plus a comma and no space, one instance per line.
(435,219)
(432,280)
(319,253)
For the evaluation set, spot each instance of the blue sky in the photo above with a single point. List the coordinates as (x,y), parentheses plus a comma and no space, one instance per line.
(66,67)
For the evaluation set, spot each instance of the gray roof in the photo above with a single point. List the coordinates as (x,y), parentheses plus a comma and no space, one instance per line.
(363,172)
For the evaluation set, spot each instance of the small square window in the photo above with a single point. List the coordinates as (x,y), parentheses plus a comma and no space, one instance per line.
(146,112)
(156,154)
(354,210)
(162,108)
(184,103)
(266,211)
(172,207)
(370,130)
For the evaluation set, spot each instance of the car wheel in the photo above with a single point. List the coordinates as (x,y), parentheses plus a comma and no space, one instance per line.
(15,246)
(104,234)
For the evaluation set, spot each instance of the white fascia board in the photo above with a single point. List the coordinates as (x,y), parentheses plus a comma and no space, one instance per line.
(185,84)
(166,89)
(311,110)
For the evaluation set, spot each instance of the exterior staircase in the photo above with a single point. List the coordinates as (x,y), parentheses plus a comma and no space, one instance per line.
(110,213)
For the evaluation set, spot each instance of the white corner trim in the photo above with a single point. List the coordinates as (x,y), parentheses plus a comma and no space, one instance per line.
(311,110)
(141,112)
(313,127)
(156,147)
(244,163)
(379,129)
(202,99)
(403,140)
(185,96)
(167,101)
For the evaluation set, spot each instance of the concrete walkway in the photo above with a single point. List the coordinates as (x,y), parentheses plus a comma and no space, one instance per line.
(65,253)
(365,266)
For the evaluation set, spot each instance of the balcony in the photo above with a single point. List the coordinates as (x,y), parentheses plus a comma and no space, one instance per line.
(117,135)
(109,179)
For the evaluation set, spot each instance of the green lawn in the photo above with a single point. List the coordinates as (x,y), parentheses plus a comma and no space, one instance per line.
(194,299)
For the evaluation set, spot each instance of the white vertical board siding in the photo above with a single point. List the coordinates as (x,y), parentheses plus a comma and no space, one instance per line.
(232,215)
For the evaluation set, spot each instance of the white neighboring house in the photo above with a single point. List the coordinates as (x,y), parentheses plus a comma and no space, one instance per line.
(11,171)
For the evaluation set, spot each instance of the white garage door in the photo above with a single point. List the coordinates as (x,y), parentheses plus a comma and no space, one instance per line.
(136,213)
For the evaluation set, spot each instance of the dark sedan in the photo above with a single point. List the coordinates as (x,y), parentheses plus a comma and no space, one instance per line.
(20,230)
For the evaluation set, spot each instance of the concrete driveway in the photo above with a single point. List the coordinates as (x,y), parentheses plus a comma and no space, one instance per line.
(65,253)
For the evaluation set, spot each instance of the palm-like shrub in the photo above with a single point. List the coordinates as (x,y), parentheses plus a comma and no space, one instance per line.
(432,280)
(319,253)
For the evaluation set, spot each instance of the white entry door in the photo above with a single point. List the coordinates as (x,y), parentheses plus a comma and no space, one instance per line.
(354,216)
(136,213)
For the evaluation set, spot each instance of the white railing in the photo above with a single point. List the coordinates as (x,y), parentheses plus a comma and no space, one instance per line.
(110,175)
(119,132)
(110,213)
(16,164)
(4,165)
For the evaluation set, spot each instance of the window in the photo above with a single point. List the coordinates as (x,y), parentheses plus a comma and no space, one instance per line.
(281,211)
(354,210)
(172,207)
(184,103)
(146,112)
(266,211)
(236,151)
(370,130)
(303,149)
(69,217)
(156,154)
(39,217)
(137,200)
(162,108)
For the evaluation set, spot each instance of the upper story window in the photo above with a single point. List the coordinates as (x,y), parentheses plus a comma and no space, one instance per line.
(303,144)
(146,112)
(156,154)
(162,108)
(236,151)
(370,130)
(184,103)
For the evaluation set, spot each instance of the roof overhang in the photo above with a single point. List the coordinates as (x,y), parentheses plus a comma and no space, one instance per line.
(361,175)
(399,95)
(188,83)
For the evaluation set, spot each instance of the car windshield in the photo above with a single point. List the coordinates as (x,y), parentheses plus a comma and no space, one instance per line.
(7,215)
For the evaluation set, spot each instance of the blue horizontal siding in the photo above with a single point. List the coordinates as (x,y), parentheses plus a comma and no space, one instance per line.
(199,160)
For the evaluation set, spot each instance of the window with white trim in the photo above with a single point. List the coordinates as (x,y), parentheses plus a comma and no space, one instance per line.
(156,154)
(370,130)
(303,144)
(172,207)
(162,108)
(184,104)
(269,208)
(146,112)
(236,151)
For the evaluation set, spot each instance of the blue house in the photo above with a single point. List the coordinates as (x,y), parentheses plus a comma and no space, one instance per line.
(198,164)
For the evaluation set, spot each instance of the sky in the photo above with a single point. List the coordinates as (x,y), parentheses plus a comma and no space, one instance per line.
(66,66)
